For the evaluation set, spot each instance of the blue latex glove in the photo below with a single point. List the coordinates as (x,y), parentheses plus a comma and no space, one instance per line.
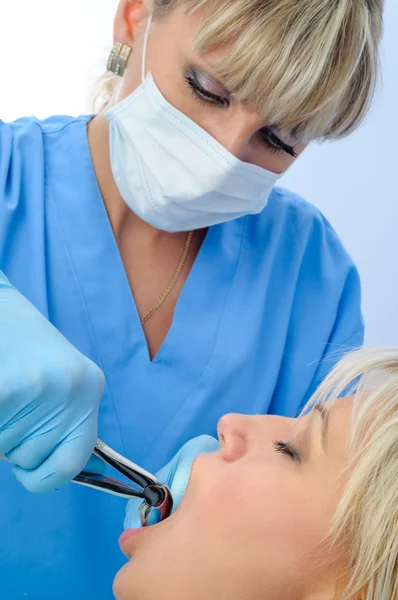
(49,397)
(175,475)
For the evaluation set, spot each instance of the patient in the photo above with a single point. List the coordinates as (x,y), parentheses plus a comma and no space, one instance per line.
(287,509)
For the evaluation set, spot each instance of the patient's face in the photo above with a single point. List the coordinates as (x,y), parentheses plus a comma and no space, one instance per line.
(253,519)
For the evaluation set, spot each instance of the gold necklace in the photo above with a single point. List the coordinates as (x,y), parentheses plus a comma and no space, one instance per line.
(172,281)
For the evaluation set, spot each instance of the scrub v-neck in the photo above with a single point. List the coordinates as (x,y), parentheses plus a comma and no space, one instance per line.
(137,317)
(110,308)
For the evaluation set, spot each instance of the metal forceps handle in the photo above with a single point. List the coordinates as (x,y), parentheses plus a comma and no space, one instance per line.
(126,467)
(154,494)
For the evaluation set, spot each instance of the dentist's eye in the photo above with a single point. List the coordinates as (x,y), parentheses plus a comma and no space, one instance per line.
(200,93)
(197,82)
(288,449)
(269,139)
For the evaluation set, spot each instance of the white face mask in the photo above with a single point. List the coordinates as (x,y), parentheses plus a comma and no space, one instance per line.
(172,173)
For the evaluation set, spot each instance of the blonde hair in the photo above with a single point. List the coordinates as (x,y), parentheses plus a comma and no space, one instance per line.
(309,66)
(367,514)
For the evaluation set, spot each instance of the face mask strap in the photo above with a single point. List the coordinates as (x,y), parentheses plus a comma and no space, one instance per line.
(145,47)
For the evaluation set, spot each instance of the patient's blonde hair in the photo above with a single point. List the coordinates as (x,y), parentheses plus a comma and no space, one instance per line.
(308,65)
(367,515)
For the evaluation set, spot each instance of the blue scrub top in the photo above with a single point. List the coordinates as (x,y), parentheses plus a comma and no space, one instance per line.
(270,301)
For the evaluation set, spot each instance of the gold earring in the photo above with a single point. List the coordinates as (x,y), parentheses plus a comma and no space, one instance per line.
(118,58)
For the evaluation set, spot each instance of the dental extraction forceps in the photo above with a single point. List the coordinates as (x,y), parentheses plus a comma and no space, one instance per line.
(154,494)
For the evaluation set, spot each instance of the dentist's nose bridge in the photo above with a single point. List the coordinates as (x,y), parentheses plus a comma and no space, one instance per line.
(237,136)
(235,143)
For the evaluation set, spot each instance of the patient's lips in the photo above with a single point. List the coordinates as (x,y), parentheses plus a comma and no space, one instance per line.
(129,540)
(126,540)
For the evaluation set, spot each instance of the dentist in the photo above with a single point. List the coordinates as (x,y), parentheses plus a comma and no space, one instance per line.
(148,246)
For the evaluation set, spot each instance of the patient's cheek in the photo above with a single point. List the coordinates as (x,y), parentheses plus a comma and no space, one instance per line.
(223,503)
(216,485)
(301,521)
(232,502)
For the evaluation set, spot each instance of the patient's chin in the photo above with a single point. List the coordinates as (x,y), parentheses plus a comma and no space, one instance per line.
(137,580)
(122,585)
(144,578)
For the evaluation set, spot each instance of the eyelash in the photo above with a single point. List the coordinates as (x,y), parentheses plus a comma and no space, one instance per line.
(267,137)
(203,95)
(286,448)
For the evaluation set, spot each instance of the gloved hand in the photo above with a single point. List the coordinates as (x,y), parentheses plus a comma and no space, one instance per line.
(49,397)
(175,475)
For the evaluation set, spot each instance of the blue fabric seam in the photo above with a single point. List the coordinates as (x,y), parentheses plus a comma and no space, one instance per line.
(182,407)
(91,330)
(343,346)
(84,118)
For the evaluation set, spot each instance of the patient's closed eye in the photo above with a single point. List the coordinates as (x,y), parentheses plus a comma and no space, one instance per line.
(287,449)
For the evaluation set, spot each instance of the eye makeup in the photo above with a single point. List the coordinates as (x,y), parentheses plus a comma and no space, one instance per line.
(209,92)
(205,88)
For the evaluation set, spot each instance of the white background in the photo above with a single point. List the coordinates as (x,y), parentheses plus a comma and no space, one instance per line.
(51,53)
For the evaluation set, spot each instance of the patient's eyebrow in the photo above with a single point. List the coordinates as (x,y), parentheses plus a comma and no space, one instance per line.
(324,414)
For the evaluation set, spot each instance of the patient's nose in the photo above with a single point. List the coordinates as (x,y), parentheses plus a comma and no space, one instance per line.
(234,435)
